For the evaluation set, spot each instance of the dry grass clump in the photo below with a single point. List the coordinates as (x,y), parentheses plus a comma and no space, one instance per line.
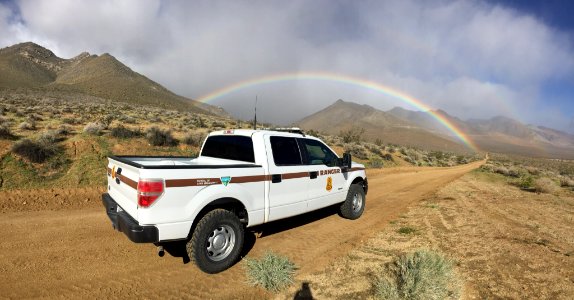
(544,185)
(423,274)
(272,272)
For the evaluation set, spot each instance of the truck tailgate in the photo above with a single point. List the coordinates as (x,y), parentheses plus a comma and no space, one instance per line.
(122,186)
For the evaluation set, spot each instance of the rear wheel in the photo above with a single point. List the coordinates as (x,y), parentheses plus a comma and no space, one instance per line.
(354,204)
(216,242)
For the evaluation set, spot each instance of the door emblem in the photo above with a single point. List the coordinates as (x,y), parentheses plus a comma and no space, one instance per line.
(225,180)
(329,186)
(114,172)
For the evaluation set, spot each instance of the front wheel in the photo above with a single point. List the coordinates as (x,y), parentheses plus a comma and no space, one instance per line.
(354,204)
(216,242)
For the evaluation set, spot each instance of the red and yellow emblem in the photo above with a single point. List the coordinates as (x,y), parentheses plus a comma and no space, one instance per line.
(114,172)
(329,186)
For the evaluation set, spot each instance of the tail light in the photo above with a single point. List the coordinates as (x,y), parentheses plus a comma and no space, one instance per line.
(149,190)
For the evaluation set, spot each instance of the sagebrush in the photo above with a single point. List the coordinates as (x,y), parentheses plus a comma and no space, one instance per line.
(272,272)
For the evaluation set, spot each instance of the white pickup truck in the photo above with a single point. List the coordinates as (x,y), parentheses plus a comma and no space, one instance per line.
(241,178)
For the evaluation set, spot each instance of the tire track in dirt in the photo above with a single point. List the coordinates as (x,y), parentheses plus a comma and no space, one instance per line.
(76,254)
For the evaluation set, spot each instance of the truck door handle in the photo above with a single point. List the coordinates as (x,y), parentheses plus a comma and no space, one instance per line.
(276,178)
(313,174)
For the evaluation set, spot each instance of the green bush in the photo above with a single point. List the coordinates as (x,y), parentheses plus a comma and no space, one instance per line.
(526,182)
(159,137)
(422,274)
(273,272)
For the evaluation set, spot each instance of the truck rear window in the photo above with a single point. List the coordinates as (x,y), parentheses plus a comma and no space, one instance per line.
(232,147)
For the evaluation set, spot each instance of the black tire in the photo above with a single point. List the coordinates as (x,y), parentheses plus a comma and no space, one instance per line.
(216,242)
(354,204)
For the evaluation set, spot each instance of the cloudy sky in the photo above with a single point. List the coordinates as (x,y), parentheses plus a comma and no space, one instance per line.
(474,59)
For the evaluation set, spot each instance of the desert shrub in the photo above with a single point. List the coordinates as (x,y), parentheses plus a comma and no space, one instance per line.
(35,151)
(64,129)
(544,185)
(422,274)
(526,182)
(273,272)
(218,124)
(94,128)
(27,125)
(514,172)
(193,139)
(124,133)
(376,162)
(50,137)
(388,157)
(159,137)
(353,135)
(357,151)
(532,170)
(406,230)
(392,150)
(5,132)
(71,121)
(566,182)
(501,170)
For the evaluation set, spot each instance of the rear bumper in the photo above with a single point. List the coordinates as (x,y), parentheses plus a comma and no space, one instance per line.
(123,222)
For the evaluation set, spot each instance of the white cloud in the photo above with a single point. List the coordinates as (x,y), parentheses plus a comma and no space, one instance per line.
(469,58)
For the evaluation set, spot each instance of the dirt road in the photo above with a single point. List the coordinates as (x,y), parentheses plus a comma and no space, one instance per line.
(75,253)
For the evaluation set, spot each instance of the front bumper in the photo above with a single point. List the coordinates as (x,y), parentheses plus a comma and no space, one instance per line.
(123,222)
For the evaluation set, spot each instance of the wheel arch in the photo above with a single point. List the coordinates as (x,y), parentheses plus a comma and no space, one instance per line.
(363,182)
(228,203)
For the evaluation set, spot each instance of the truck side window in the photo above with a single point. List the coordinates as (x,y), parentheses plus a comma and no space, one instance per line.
(285,151)
(234,147)
(319,154)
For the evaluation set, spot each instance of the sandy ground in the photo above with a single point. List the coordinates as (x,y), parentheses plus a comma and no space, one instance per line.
(506,244)
(52,250)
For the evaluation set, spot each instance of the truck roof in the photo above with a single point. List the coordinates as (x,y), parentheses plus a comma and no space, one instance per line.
(251,132)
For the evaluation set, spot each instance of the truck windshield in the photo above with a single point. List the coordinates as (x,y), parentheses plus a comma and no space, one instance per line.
(232,147)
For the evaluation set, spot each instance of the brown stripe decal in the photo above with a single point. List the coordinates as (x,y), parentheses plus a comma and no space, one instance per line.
(211,181)
(247,179)
(192,182)
(127,181)
(294,175)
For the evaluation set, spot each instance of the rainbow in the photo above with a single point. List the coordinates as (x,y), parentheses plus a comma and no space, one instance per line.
(321,76)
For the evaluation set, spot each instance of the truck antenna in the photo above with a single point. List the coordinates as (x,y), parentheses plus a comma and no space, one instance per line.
(255,119)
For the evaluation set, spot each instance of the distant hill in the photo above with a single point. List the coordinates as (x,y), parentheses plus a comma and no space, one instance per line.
(28,65)
(498,134)
(378,125)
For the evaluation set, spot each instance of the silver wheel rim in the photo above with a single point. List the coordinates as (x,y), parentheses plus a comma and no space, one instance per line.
(220,243)
(357,202)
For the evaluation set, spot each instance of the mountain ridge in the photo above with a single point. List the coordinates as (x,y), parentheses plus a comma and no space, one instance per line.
(28,65)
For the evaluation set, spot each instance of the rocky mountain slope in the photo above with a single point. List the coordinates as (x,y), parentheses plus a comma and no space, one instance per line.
(28,65)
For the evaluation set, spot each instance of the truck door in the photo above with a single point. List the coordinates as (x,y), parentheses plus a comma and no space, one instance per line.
(327,181)
(289,179)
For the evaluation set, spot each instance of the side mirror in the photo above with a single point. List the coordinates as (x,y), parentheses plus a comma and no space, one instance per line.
(346,161)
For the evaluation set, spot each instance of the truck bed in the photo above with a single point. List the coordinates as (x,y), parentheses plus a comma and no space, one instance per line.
(180,162)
